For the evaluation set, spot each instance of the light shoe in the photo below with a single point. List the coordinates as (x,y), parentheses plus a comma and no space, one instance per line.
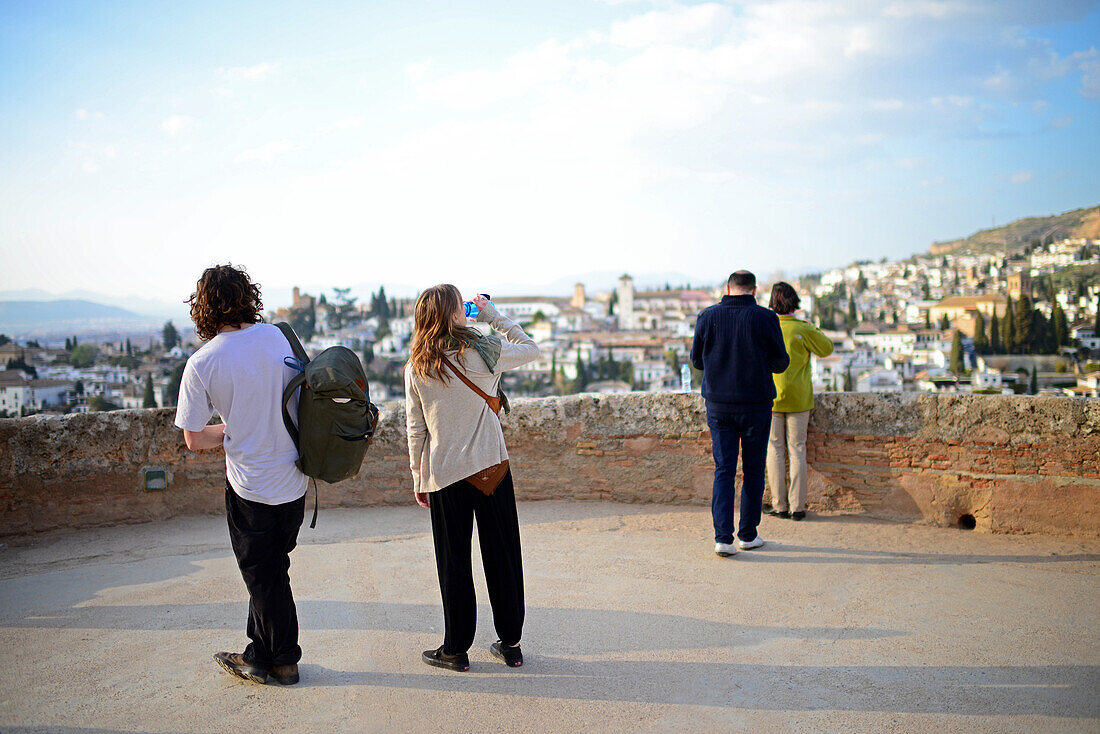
(750,544)
(725,549)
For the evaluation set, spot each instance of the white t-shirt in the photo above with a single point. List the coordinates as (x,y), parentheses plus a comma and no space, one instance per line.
(242,375)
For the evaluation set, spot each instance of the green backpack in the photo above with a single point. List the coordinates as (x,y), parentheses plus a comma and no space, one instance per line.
(336,419)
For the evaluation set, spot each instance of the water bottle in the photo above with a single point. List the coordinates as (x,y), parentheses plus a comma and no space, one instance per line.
(471,307)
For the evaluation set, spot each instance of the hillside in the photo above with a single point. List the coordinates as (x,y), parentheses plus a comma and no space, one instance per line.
(1015,235)
(62,316)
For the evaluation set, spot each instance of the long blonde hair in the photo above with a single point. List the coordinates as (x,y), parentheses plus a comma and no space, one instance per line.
(434,331)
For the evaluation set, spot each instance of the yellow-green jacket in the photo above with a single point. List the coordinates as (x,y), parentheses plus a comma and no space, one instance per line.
(794,391)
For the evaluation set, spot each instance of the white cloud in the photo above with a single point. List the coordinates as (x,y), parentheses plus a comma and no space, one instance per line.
(83,114)
(1021,177)
(679,25)
(255,73)
(418,70)
(177,124)
(887,105)
(89,166)
(1089,64)
(347,123)
(265,153)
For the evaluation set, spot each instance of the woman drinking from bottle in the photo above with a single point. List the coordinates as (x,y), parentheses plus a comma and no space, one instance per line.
(460,464)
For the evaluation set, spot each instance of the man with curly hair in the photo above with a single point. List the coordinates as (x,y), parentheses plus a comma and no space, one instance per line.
(240,373)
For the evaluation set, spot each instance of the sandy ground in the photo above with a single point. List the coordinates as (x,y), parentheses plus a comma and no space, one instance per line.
(633,624)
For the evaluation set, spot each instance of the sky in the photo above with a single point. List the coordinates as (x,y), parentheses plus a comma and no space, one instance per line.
(331,144)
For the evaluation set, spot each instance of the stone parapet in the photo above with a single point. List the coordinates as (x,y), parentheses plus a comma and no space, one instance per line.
(1008,464)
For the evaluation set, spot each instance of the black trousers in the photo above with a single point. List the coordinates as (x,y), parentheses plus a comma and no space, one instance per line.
(453,511)
(263,537)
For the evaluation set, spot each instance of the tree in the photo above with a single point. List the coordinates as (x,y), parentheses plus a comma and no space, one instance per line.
(83,355)
(303,321)
(1008,332)
(342,311)
(581,381)
(928,319)
(981,342)
(945,323)
(956,365)
(1059,327)
(1096,321)
(78,388)
(98,403)
(1034,385)
(994,334)
(4,339)
(626,372)
(611,304)
(170,336)
(68,344)
(129,348)
(149,400)
(847,387)
(852,318)
(1024,326)
(172,390)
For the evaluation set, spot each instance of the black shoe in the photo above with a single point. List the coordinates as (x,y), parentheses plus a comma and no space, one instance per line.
(285,675)
(512,656)
(440,659)
(767,509)
(798,514)
(780,513)
(235,664)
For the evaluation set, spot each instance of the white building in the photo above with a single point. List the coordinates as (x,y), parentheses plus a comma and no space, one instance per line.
(16,393)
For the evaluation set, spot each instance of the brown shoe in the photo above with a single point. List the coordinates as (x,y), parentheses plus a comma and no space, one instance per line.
(285,675)
(234,663)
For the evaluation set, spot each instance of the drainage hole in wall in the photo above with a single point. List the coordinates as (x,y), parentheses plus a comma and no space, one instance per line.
(967,522)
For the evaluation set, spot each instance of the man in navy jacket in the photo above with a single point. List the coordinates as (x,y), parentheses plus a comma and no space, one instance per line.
(738,345)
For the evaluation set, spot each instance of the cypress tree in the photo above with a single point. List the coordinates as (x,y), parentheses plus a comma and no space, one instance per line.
(956,364)
(994,334)
(1025,325)
(1008,337)
(1061,327)
(1034,386)
(981,343)
(149,400)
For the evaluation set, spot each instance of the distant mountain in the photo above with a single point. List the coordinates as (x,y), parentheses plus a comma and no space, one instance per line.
(65,316)
(1014,236)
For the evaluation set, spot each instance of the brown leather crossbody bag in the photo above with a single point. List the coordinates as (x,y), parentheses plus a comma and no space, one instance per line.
(488,479)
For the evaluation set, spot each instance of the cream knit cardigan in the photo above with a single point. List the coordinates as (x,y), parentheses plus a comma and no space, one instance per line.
(452,432)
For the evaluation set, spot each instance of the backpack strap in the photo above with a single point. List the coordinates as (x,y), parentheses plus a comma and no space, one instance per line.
(295,345)
(494,403)
(288,392)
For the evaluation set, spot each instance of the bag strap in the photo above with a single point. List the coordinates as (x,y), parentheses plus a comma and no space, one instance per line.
(295,345)
(288,392)
(494,403)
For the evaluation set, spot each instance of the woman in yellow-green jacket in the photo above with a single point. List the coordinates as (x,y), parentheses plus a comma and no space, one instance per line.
(794,398)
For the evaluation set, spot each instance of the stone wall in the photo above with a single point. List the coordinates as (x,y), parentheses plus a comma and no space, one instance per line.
(1012,464)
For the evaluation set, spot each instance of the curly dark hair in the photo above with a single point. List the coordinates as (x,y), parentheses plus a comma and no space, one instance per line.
(224,296)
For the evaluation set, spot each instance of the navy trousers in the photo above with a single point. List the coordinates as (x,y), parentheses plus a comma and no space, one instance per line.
(729,431)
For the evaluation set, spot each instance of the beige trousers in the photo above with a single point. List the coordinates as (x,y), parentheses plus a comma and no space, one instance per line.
(788,436)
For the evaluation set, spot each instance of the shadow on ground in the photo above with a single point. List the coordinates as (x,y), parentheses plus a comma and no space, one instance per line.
(1063,691)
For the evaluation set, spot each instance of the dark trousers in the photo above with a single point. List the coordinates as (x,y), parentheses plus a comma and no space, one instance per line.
(263,537)
(728,431)
(453,511)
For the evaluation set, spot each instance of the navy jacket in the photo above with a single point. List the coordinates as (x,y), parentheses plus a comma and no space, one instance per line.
(738,345)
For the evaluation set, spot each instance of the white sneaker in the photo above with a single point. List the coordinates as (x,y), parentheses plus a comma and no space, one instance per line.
(725,549)
(750,544)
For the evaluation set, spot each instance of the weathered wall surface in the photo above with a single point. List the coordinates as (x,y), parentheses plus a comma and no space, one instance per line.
(1015,464)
